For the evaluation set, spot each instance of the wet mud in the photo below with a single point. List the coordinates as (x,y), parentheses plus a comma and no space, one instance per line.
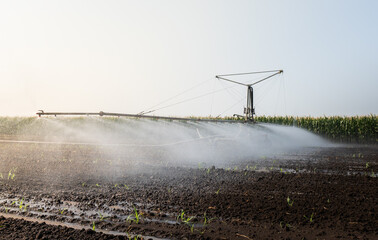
(77,192)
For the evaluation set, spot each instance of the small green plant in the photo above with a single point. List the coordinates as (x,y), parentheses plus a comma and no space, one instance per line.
(127,187)
(367,165)
(208,170)
(98,185)
(289,201)
(83,184)
(134,217)
(186,220)
(12,175)
(285,225)
(93,226)
(182,217)
(102,217)
(310,219)
(20,204)
(130,237)
(206,220)
(217,192)
(62,211)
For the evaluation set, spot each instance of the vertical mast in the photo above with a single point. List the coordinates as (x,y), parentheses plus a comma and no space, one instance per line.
(249,110)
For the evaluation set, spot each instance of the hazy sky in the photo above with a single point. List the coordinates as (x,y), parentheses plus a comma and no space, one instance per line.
(127,56)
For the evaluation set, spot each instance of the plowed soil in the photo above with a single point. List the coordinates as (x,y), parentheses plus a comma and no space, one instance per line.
(51,191)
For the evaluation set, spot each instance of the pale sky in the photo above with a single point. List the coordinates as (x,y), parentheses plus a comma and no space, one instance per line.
(127,56)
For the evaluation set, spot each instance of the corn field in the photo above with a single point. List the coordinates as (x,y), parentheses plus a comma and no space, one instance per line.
(360,129)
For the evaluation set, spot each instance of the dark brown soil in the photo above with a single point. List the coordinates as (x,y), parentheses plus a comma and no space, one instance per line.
(64,191)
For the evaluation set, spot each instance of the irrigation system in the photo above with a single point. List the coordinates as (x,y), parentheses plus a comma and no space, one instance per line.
(249,110)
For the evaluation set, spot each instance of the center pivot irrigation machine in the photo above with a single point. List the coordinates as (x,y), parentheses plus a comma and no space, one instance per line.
(249,110)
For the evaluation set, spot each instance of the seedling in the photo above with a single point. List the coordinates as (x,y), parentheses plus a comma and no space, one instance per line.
(207,220)
(311,218)
(136,216)
(367,165)
(20,204)
(289,201)
(102,217)
(62,211)
(285,225)
(83,184)
(98,185)
(186,220)
(11,175)
(217,192)
(93,226)
(133,238)
(182,217)
(127,187)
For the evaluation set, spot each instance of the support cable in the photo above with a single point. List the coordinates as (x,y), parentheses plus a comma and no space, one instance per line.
(233,105)
(234,94)
(187,100)
(195,86)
